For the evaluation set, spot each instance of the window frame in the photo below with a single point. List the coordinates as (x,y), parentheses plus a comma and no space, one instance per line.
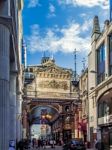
(101,61)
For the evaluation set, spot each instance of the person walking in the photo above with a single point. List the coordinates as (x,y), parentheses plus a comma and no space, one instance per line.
(20,145)
(51,143)
(44,144)
(95,144)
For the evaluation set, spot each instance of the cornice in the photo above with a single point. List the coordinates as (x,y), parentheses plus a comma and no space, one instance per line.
(7,21)
(101,86)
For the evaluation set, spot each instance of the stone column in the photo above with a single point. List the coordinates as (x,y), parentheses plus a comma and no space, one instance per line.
(24,124)
(80,121)
(19,119)
(13,106)
(76,122)
(4,87)
(73,126)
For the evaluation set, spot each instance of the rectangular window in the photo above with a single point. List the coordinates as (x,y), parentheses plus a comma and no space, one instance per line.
(111,137)
(110,54)
(101,64)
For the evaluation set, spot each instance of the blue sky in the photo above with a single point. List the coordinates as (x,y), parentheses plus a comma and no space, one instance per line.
(60,26)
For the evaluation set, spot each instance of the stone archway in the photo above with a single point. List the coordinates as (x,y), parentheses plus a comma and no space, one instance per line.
(104,104)
(104,113)
(46,110)
(41,120)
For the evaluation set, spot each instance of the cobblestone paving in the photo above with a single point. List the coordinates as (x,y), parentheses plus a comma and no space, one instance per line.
(49,148)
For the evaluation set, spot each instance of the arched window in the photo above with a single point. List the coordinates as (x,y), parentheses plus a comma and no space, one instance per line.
(103,109)
(100,110)
(106,109)
(110,106)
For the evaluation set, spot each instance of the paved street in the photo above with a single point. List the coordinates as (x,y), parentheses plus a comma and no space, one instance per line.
(49,148)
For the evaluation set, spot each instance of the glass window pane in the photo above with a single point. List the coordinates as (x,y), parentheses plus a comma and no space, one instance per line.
(101,63)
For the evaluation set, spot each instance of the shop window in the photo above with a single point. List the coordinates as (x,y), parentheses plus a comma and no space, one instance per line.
(106,109)
(100,110)
(101,64)
(111,138)
(105,138)
(91,136)
(110,106)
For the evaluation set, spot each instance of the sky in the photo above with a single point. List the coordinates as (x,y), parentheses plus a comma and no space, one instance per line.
(58,27)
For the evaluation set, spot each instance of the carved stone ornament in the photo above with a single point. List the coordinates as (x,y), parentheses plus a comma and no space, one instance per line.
(54,84)
(54,70)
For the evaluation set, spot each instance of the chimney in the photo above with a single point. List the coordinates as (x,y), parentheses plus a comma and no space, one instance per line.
(96,29)
(96,26)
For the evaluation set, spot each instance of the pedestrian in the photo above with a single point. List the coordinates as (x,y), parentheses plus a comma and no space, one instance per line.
(99,145)
(39,143)
(95,144)
(20,145)
(51,143)
(44,144)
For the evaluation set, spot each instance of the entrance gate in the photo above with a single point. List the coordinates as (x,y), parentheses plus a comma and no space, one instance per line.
(47,85)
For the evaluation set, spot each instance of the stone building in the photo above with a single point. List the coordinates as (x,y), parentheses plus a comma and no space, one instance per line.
(9,70)
(48,97)
(19,81)
(83,86)
(100,84)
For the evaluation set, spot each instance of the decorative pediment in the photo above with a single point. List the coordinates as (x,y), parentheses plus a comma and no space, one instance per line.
(54,72)
(53,69)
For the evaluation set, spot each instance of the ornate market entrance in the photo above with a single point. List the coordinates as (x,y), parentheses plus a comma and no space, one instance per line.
(48,99)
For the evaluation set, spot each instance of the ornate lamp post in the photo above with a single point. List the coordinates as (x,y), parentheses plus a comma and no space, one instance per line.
(47,117)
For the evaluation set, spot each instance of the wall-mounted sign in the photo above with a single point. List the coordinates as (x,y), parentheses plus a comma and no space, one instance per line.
(12,145)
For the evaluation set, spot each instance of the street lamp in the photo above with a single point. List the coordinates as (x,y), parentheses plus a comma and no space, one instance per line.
(47,117)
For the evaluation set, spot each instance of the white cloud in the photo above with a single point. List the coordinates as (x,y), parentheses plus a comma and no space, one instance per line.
(87,25)
(51,8)
(65,39)
(51,11)
(86,3)
(33,3)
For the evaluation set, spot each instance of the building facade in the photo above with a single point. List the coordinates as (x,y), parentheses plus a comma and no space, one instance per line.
(48,85)
(83,86)
(20,74)
(9,69)
(100,84)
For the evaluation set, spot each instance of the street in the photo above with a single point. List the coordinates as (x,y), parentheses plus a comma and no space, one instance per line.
(49,148)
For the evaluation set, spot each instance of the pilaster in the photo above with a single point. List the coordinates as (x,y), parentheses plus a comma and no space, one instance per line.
(19,119)
(4,87)
(13,106)
(107,57)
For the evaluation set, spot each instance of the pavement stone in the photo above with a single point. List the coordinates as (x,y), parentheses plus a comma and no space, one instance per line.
(56,148)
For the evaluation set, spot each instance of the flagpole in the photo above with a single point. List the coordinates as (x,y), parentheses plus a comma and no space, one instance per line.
(110,10)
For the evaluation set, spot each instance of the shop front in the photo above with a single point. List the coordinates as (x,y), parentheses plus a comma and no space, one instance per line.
(67,135)
(105,127)
(83,129)
(106,135)
(105,120)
